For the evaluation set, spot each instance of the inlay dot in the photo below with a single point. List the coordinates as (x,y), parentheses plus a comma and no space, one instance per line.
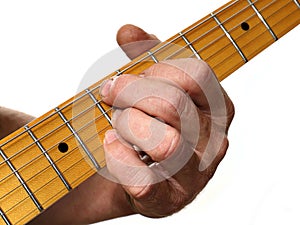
(63,147)
(245,26)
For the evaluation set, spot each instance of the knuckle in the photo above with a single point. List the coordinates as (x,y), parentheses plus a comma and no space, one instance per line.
(203,71)
(177,102)
(169,144)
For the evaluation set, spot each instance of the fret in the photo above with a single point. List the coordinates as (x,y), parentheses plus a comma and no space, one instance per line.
(4,217)
(22,182)
(263,20)
(221,41)
(281,15)
(297,3)
(86,150)
(152,56)
(60,175)
(190,45)
(118,73)
(99,106)
(229,37)
(253,38)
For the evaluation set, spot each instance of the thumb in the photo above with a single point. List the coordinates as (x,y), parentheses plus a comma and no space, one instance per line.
(134,41)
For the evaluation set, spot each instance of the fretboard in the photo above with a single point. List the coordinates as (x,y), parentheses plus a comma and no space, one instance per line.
(43,161)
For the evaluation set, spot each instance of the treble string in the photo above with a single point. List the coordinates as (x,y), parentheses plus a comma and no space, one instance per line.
(66,170)
(78,116)
(55,145)
(59,192)
(55,129)
(218,38)
(72,103)
(77,99)
(244,34)
(97,86)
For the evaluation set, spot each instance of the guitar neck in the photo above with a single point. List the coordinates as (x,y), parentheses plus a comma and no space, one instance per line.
(43,161)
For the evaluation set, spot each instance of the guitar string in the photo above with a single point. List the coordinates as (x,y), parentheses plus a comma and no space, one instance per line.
(60,126)
(46,168)
(202,36)
(57,178)
(83,96)
(223,35)
(127,68)
(52,146)
(239,37)
(165,59)
(55,145)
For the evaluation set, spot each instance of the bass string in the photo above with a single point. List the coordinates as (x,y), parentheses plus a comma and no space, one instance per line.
(56,177)
(53,146)
(79,115)
(111,108)
(222,36)
(24,148)
(85,94)
(58,127)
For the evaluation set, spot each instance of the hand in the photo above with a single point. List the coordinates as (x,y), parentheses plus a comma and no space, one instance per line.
(192,143)
(88,203)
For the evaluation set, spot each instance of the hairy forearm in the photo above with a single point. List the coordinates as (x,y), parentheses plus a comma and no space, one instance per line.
(96,199)
(11,120)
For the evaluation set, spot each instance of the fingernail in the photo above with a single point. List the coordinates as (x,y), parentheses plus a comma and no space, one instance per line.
(105,87)
(115,115)
(110,136)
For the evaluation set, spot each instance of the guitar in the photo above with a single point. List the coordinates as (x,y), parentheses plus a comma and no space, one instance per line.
(41,162)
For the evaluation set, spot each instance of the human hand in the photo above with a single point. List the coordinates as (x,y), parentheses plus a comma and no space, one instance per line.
(178,114)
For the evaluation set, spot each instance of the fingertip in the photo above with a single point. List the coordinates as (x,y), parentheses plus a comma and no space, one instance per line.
(110,136)
(130,33)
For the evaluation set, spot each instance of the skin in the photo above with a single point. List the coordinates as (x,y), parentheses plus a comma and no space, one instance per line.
(89,204)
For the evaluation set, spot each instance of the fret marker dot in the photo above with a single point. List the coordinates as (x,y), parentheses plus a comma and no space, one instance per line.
(63,147)
(245,26)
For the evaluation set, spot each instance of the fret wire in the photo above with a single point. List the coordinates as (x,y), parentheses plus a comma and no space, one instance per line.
(297,3)
(260,16)
(152,56)
(72,150)
(237,26)
(75,117)
(4,217)
(119,71)
(230,38)
(53,196)
(45,153)
(190,45)
(85,149)
(99,106)
(127,68)
(53,179)
(245,34)
(207,32)
(53,146)
(123,70)
(211,43)
(23,184)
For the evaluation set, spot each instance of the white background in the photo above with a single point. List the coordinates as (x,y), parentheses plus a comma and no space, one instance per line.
(47,46)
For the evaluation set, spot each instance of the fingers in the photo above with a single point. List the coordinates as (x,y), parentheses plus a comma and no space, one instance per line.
(157,139)
(156,97)
(145,186)
(135,41)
